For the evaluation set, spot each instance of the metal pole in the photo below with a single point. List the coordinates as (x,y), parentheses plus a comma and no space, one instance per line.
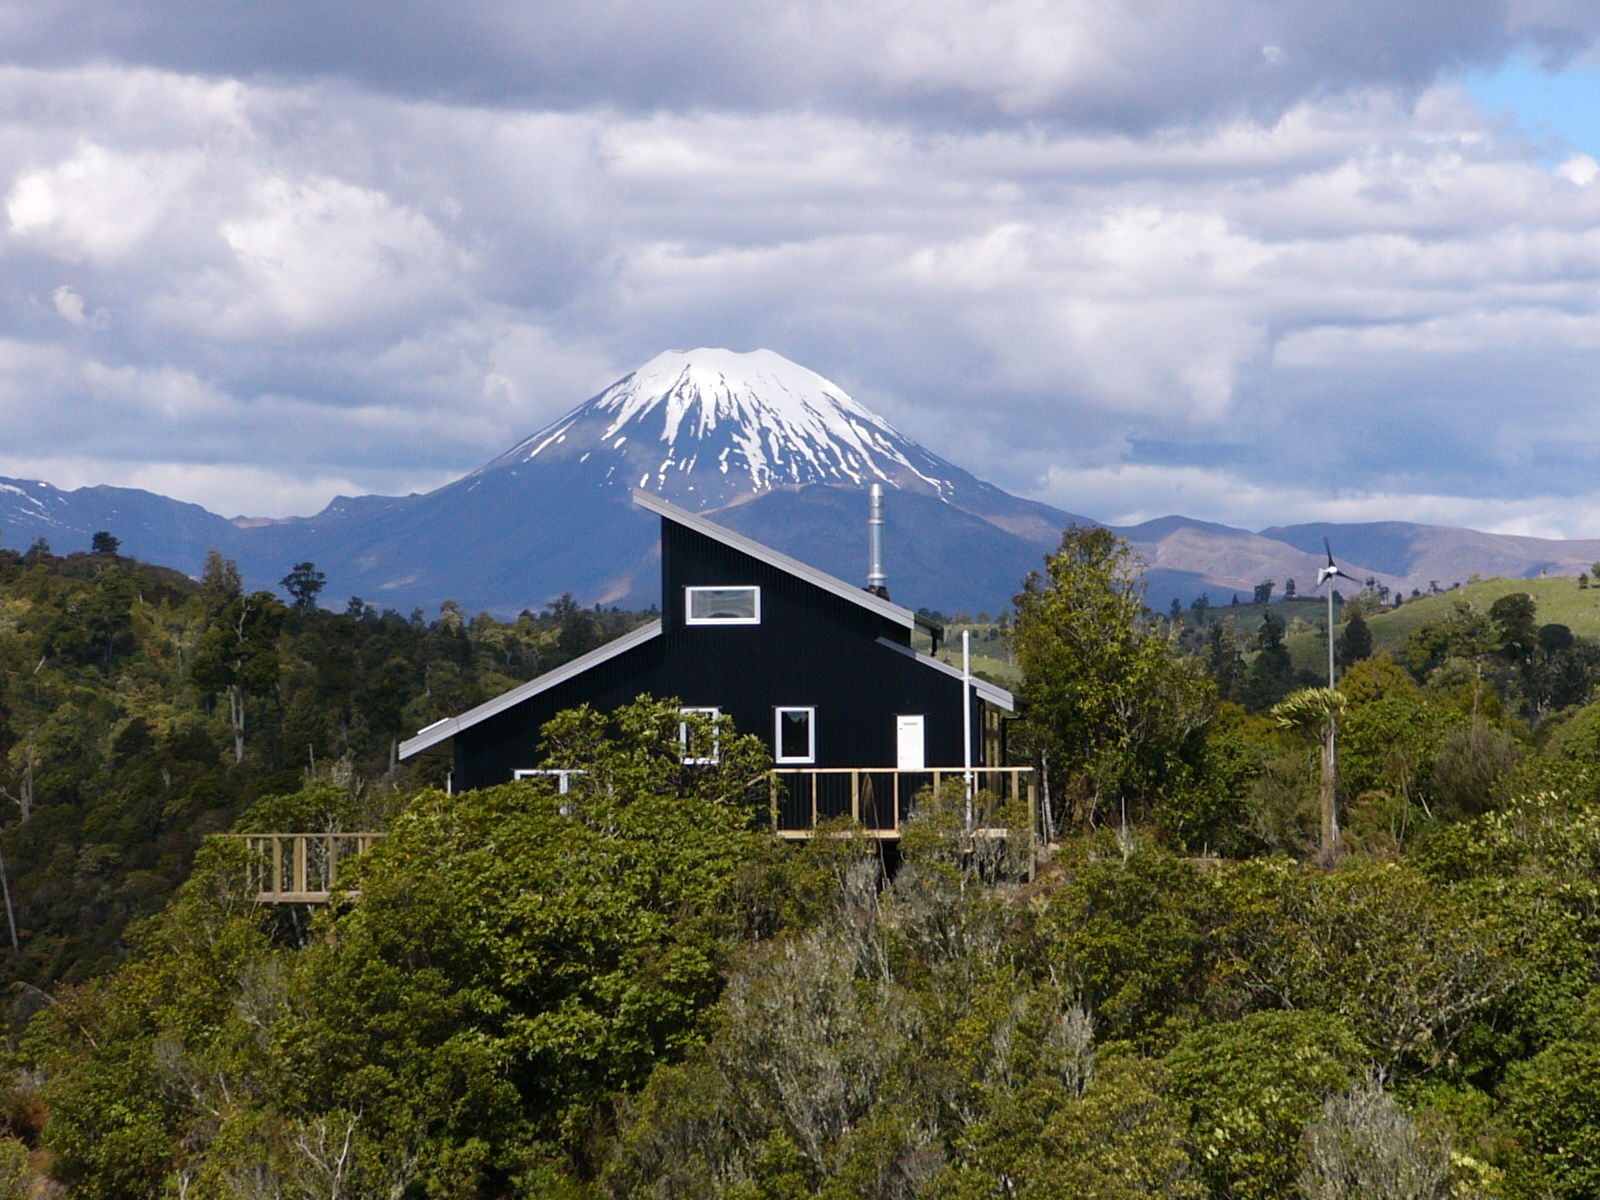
(1330,798)
(966,717)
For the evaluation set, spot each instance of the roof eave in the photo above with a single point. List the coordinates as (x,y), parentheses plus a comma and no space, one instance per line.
(443,731)
(991,692)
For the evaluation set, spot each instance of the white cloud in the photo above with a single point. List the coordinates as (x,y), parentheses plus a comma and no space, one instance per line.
(318,253)
(312,287)
(97,205)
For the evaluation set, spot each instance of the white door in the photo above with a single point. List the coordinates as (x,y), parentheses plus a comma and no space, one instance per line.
(909,743)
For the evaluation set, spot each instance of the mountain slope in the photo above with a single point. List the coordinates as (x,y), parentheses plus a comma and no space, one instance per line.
(152,527)
(764,446)
(753,440)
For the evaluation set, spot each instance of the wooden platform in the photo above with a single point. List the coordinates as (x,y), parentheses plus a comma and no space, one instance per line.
(300,868)
(879,798)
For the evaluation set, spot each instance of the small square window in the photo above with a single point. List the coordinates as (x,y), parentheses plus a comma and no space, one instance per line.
(722,605)
(795,738)
(701,747)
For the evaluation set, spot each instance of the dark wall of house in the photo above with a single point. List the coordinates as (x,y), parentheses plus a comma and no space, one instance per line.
(491,750)
(812,648)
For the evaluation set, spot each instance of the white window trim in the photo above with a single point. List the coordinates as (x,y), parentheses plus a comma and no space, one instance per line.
(688,604)
(562,775)
(811,733)
(683,737)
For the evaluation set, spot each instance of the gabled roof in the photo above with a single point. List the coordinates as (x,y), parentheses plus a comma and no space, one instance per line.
(993,693)
(856,595)
(443,731)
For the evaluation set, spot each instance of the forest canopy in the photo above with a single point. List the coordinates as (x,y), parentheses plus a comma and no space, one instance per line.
(632,990)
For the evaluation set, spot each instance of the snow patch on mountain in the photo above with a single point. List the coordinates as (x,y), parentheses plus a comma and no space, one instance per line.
(748,422)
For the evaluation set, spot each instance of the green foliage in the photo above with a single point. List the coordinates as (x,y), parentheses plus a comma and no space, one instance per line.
(1408,966)
(1355,643)
(516,958)
(1249,1089)
(1118,1141)
(1514,619)
(1130,937)
(1554,1110)
(1271,672)
(1119,715)
(122,689)
(630,990)
(1465,634)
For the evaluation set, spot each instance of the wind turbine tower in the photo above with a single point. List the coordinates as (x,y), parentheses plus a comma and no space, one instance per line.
(1330,813)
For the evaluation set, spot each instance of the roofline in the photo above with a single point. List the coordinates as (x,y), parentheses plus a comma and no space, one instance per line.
(993,693)
(877,604)
(443,731)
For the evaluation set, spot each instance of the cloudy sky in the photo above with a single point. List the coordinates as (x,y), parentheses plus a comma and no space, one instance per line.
(1256,261)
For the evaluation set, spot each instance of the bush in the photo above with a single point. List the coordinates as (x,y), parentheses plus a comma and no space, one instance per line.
(1248,1088)
(1363,1147)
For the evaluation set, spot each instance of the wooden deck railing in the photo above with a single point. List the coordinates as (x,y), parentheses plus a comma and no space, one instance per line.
(880,798)
(300,868)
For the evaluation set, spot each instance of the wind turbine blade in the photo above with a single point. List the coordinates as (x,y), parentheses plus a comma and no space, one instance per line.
(1329,548)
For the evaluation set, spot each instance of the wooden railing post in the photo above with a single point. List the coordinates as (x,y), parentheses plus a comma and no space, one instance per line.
(1033,826)
(855,796)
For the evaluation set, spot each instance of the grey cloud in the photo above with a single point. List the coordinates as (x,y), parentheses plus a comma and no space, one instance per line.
(1074,63)
(322,284)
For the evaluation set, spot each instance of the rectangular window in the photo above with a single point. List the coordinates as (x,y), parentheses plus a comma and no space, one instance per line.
(722,605)
(796,735)
(701,746)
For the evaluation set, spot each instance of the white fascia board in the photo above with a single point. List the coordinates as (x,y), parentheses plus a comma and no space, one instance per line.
(986,691)
(443,731)
(766,554)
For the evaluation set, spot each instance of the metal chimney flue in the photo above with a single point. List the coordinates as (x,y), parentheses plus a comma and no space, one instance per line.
(877,581)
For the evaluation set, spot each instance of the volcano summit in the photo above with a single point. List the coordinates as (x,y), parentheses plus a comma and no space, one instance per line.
(754,441)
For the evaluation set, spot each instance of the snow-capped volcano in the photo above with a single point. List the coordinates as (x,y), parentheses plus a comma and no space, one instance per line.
(709,427)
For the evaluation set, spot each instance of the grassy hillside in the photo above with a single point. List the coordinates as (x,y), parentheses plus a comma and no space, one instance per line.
(1560,601)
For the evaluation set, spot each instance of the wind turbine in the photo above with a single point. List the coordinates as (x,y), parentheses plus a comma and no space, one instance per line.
(1330,813)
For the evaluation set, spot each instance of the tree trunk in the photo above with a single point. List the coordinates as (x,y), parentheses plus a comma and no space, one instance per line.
(236,711)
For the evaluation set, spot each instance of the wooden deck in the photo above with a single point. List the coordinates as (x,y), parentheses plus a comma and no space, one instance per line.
(303,868)
(880,798)
(300,868)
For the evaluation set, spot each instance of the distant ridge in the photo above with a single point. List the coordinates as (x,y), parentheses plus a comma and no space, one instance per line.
(765,446)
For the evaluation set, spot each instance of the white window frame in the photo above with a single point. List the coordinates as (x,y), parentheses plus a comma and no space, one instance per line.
(683,737)
(688,604)
(811,733)
(562,775)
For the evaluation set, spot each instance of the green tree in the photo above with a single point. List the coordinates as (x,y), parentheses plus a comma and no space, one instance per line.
(1118,713)
(104,543)
(1271,673)
(1355,642)
(1249,1088)
(1314,714)
(1554,1107)
(239,655)
(1224,663)
(1514,619)
(304,583)
(1466,633)
(219,580)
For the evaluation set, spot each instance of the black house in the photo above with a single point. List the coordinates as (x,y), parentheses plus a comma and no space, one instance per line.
(822,669)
